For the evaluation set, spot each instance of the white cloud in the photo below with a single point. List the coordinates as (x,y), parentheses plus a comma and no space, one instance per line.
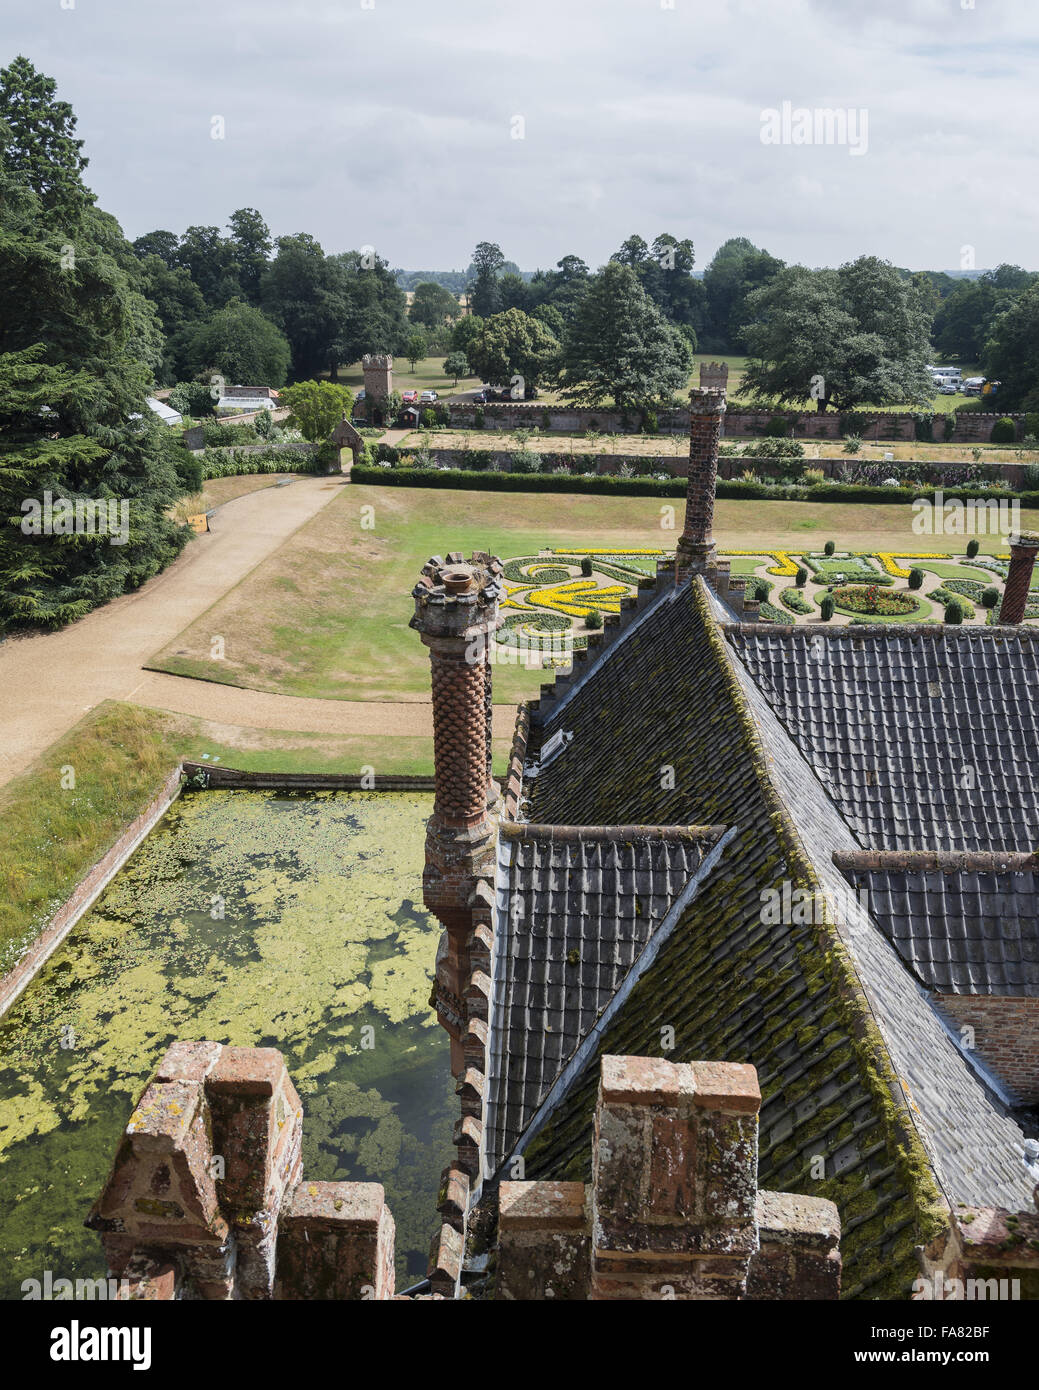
(391,126)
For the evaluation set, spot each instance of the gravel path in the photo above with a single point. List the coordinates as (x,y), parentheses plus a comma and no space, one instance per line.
(49,681)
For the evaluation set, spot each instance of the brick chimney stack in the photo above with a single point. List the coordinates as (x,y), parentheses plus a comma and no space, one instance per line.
(696,548)
(1023,550)
(456,615)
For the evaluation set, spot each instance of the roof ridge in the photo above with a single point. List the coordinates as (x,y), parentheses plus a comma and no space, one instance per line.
(938,632)
(877,1067)
(945,861)
(607,833)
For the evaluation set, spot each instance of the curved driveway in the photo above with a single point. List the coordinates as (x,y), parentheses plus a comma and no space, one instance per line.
(49,681)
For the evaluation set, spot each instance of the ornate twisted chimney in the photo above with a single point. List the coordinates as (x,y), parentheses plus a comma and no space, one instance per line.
(456,615)
(696,549)
(1023,550)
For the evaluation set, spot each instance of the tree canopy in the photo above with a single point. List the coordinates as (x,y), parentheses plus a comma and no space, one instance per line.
(237,342)
(848,337)
(620,347)
(1012,352)
(432,305)
(513,344)
(78,344)
(317,407)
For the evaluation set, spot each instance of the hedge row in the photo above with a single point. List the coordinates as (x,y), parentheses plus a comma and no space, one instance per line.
(229,463)
(468,480)
(516,482)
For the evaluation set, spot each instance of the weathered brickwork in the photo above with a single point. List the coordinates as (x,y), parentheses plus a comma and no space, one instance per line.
(1006,1036)
(673,1210)
(696,550)
(1023,550)
(456,615)
(206,1198)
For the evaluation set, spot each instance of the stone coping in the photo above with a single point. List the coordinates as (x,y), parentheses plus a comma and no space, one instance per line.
(589,834)
(86,892)
(931,861)
(232,778)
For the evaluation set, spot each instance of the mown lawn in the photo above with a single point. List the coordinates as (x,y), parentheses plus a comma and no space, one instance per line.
(327,615)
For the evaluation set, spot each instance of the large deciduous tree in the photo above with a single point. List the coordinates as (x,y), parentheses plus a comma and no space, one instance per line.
(1012,353)
(251,240)
(304,295)
(212,262)
(859,335)
(484,293)
(432,305)
(317,407)
(964,320)
(373,308)
(621,348)
(513,345)
(737,270)
(239,343)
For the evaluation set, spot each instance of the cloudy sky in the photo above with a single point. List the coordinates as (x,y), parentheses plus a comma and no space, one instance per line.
(394,123)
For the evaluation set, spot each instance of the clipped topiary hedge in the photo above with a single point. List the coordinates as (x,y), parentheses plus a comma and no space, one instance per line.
(731,489)
(466,480)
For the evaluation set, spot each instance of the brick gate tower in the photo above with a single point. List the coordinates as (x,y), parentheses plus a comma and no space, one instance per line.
(456,615)
(378,377)
(696,548)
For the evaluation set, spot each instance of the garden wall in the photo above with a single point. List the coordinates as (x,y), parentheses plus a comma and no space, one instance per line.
(467,480)
(677,466)
(86,892)
(970,427)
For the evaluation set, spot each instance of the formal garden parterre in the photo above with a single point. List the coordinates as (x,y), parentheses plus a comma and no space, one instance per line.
(555,599)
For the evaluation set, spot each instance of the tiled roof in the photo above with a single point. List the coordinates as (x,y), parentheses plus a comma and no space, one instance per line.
(973,1144)
(960,929)
(925,738)
(668,730)
(575,909)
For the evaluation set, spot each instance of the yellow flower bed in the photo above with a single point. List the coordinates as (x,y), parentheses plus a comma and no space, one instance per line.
(781,561)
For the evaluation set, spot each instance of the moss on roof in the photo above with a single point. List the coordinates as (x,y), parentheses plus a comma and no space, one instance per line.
(663,734)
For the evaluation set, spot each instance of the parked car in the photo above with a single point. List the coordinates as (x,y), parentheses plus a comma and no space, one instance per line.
(427,397)
(948,390)
(409,397)
(479,397)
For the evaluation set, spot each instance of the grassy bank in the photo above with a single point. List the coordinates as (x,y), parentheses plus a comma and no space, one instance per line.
(327,614)
(118,757)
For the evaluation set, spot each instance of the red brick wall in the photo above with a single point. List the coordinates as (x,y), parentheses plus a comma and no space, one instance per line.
(1006,1036)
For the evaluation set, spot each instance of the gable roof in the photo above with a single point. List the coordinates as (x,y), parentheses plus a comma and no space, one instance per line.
(963,924)
(924,737)
(668,728)
(576,908)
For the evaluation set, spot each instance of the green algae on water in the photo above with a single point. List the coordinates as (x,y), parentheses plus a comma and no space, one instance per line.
(259,919)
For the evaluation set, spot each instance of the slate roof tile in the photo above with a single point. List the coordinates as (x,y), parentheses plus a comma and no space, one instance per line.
(663,733)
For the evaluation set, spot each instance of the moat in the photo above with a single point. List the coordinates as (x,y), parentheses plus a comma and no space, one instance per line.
(260,919)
